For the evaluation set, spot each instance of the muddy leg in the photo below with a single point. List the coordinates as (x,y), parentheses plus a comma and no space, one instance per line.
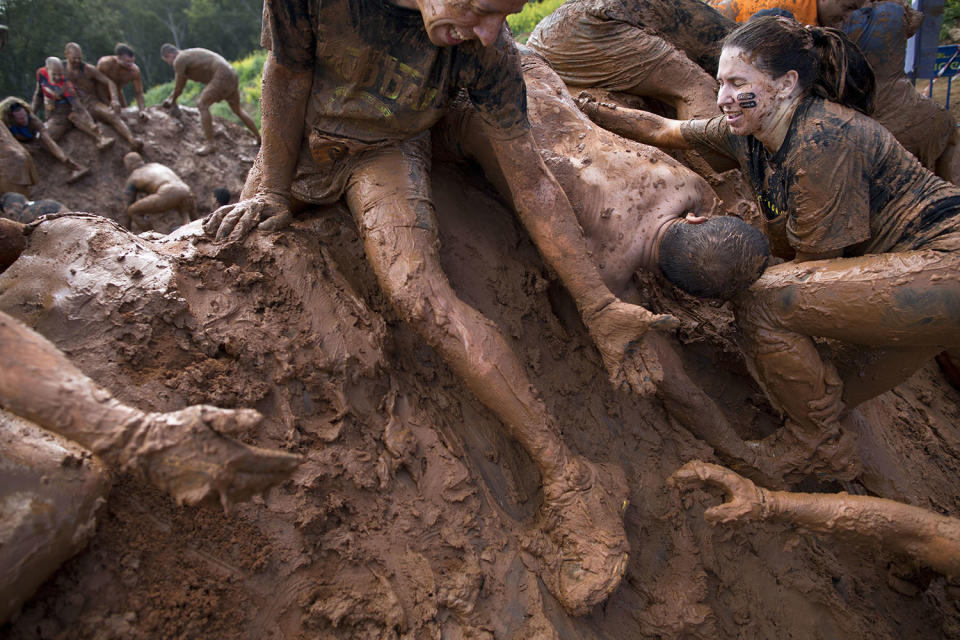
(181,452)
(583,542)
(904,299)
(82,120)
(247,120)
(103,113)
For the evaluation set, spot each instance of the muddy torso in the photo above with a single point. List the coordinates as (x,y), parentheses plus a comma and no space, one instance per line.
(203,65)
(839,181)
(690,25)
(120,75)
(83,80)
(153,176)
(377,76)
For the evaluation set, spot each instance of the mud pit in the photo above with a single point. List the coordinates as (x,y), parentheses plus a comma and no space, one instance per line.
(404,521)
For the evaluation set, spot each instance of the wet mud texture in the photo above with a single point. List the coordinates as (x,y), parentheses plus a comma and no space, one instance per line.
(405,520)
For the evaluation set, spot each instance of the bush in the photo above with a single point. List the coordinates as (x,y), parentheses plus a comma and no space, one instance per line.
(521,24)
(249,72)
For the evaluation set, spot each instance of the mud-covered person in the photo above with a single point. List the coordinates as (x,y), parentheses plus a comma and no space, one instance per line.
(61,104)
(351,89)
(162,191)
(13,206)
(663,49)
(872,237)
(220,78)
(25,128)
(823,13)
(630,200)
(90,84)
(52,491)
(122,69)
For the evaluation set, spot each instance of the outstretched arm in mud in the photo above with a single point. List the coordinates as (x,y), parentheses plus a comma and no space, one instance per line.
(185,453)
(266,204)
(929,538)
(633,124)
(546,213)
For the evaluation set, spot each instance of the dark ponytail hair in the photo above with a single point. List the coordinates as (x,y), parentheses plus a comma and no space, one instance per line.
(827,62)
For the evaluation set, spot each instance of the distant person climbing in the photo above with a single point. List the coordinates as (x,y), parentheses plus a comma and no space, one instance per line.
(122,69)
(162,190)
(62,106)
(25,128)
(202,65)
(90,83)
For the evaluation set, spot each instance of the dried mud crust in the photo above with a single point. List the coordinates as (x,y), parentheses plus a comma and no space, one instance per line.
(406,517)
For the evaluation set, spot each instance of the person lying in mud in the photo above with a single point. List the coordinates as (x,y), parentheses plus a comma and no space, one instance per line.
(630,200)
(203,65)
(662,49)
(927,538)
(14,206)
(162,190)
(25,128)
(90,83)
(185,453)
(62,107)
(872,238)
(122,70)
(350,93)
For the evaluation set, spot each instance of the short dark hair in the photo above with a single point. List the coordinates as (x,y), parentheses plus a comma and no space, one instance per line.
(11,198)
(719,258)
(166,48)
(15,106)
(123,49)
(222,195)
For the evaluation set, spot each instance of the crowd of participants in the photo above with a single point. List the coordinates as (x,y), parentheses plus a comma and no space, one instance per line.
(852,169)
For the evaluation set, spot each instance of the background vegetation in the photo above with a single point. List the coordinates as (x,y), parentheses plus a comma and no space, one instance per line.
(40,28)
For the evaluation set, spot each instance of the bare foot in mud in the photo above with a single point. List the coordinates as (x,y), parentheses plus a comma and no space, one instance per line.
(578,538)
(189,455)
(792,453)
(744,501)
(616,329)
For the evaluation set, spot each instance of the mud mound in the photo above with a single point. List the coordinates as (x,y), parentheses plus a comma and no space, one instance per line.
(404,521)
(169,140)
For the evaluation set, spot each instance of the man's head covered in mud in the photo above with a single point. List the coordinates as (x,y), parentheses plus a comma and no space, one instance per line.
(450,22)
(719,258)
(73,54)
(54,69)
(132,161)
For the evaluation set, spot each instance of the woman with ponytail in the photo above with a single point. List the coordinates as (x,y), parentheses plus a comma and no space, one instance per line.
(872,238)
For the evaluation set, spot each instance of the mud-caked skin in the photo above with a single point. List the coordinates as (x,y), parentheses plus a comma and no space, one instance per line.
(162,190)
(663,49)
(220,78)
(927,538)
(187,453)
(62,105)
(625,196)
(21,126)
(350,91)
(90,84)
(122,70)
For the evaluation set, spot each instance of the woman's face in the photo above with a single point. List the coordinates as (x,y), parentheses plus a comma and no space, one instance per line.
(748,97)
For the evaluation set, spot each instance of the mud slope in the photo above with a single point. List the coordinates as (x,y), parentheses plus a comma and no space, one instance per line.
(167,140)
(403,522)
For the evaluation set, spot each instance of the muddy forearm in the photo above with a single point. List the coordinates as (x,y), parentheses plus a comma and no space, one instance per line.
(547,215)
(647,128)
(283,103)
(39,383)
(931,538)
(179,83)
(138,93)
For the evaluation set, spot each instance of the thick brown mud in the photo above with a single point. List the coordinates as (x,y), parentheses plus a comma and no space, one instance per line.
(405,521)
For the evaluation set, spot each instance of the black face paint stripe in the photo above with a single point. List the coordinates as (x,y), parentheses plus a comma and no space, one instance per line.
(746,100)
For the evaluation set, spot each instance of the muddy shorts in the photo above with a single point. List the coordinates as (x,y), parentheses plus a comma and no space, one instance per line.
(587,51)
